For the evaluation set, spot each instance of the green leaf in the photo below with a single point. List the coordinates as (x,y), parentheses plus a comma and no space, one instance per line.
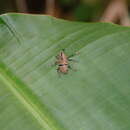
(33,96)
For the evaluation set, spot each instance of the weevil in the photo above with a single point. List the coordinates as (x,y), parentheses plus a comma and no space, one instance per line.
(63,63)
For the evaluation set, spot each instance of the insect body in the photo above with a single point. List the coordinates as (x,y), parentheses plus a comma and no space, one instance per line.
(62,62)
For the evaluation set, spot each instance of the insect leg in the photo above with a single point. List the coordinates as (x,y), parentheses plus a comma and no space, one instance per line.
(69,59)
(56,63)
(71,68)
(58,71)
(76,53)
(52,64)
(70,56)
(57,57)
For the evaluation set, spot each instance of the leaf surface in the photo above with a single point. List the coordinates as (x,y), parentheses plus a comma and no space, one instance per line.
(34,97)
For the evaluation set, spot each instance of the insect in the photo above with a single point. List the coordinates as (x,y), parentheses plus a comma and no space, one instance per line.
(63,63)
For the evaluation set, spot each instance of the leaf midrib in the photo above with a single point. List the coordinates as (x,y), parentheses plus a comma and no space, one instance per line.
(45,121)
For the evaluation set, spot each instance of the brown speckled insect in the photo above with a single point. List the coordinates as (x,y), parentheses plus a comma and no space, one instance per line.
(63,63)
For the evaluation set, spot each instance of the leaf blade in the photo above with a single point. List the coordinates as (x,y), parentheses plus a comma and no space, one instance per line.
(90,98)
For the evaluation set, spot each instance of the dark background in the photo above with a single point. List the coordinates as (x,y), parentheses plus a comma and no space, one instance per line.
(79,10)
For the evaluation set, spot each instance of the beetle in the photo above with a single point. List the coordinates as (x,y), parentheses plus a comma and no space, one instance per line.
(63,63)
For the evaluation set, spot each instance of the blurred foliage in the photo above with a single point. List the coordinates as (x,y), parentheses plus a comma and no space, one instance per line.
(36,6)
(86,12)
(68,2)
(7,6)
(82,10)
